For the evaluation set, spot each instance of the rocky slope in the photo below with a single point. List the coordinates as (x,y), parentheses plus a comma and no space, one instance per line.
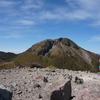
(61,53)
(29,84)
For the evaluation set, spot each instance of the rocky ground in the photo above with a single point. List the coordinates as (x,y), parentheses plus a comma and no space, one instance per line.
(37,84)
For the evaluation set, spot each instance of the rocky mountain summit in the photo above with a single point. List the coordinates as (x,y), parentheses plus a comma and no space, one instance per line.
(50,84)
(61,53)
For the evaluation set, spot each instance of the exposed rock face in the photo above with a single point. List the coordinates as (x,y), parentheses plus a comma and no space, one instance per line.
(5,93)
(46,48)
(64,93)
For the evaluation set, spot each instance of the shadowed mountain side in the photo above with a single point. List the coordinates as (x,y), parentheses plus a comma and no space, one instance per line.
(61,53)
(6,60)
(6,56)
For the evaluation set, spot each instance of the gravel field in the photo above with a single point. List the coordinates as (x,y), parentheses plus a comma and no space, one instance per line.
(37,84)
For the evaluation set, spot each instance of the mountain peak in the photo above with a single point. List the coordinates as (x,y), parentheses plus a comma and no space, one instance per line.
(49,46)
(67,42)
(61,53)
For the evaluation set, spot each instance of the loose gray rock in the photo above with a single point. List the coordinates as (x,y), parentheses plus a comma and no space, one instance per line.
(45,80)
(78,80)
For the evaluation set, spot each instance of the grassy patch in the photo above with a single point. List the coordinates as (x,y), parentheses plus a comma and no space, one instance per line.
(7,65)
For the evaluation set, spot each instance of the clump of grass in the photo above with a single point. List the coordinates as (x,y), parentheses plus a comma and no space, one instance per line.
(7,65)
(51,66)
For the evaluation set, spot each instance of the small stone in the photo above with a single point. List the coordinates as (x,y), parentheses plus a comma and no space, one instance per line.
(40,96)
(45,80)
(37,85)
(19,92)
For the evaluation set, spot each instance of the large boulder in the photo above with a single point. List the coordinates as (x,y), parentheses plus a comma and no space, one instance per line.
(5,93)
(58,90)
(64,93)
(78,80)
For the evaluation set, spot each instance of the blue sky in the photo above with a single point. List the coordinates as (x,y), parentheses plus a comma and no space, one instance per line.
(26,22)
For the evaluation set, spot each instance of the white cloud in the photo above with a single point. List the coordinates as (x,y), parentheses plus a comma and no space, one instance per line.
(12,36)
(88,9)
(31,4)
(26,22)
(4,3)
(96,23)
(33,12)
(84,4)
(77,10)
(8,10)
(64,15)
(47,15)
(74,10)
(95,38)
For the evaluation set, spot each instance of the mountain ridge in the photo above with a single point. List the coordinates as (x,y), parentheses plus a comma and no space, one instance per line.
(61,53)
(7,56)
